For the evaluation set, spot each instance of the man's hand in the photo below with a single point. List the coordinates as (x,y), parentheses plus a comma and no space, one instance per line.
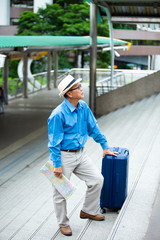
(108,152)
(58,172)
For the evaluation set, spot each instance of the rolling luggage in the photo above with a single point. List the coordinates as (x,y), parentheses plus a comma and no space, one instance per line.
(115,173)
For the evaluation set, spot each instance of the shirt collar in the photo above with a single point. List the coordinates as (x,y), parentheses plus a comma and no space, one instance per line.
(71,107)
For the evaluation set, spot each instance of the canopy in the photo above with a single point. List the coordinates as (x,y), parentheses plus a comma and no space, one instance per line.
(53,42)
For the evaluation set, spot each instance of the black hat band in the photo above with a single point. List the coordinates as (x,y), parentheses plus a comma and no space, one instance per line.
(70,84)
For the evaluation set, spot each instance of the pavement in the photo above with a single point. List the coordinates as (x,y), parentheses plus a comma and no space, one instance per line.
(153,231)
(25,120)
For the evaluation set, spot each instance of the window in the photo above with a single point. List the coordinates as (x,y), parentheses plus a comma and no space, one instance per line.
(14,21)
(22,3)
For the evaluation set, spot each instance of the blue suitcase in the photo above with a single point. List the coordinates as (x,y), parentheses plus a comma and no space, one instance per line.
(115,173)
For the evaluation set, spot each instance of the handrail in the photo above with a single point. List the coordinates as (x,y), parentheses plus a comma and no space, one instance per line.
(121,77)
(105,84)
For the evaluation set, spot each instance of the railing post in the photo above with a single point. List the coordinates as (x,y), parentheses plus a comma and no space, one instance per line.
(16,88)
(41,81)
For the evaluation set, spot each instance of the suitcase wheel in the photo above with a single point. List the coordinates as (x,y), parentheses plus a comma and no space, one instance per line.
(102,210)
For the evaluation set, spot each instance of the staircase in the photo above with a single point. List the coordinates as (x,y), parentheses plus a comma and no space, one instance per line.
(26,206)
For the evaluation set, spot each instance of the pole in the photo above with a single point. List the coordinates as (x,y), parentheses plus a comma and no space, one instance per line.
(111,43)
(55,55)
(25,75)
(5,78)
(93,56)
(49,70)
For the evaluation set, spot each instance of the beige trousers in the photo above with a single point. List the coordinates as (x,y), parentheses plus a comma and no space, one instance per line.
(82,166)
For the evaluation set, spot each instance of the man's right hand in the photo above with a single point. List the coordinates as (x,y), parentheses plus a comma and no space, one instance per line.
(58,172)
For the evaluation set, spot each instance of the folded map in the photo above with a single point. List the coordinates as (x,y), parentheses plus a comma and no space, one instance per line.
(63,185)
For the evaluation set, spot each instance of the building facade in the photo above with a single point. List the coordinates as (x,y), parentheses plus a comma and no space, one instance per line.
(10,11)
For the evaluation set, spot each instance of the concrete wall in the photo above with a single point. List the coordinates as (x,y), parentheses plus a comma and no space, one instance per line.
(128,94)
(4,12)
(8,30)
(15,12)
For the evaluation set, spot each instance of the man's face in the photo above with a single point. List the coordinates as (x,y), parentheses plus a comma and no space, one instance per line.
(76,92)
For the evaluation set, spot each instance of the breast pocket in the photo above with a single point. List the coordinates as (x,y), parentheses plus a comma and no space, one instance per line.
(70,125)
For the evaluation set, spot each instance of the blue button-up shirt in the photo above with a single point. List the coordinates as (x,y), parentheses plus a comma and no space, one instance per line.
(69,127)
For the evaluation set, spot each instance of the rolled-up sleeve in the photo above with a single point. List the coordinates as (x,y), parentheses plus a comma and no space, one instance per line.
(55,137)
(95,132)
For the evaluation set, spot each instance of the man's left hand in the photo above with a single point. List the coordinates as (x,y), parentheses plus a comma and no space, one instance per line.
(108,152)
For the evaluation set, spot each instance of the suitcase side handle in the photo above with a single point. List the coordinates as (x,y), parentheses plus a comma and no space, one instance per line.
(126,152)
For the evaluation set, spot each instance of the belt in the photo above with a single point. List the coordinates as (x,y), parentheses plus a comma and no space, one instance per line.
(71,150)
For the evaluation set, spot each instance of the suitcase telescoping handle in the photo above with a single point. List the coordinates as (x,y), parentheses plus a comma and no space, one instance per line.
(119,150)
(116,149)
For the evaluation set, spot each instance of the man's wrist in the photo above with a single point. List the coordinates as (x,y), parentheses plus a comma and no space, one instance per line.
(56,164)
(104,146)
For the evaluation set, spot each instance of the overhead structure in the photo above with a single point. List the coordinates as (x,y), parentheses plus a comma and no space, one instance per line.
(123,11)
(16,47)
(134,10)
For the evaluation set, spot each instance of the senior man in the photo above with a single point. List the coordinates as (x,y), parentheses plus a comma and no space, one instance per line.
(68,127)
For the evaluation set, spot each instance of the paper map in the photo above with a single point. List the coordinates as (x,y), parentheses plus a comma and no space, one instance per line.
(63,185)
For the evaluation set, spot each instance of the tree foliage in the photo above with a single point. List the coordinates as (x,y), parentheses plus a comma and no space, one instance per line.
(55,20)
(63,18)
(28,23)
(13,68)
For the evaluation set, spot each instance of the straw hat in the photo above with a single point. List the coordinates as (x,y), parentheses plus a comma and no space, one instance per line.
(67,83)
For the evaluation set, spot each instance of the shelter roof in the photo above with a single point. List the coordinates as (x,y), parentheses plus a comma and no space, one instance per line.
(14,46)
(53,41)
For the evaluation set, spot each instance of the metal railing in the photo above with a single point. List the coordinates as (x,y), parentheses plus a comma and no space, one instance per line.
(15,86)
(130,75)
(103,85)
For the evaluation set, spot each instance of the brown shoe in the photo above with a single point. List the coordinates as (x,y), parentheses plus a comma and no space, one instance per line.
(98,217)
(66,231)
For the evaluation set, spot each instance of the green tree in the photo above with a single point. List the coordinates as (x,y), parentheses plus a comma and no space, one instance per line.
(28,23)
(75,20)
(63,18)
(50,20)
(13,64)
